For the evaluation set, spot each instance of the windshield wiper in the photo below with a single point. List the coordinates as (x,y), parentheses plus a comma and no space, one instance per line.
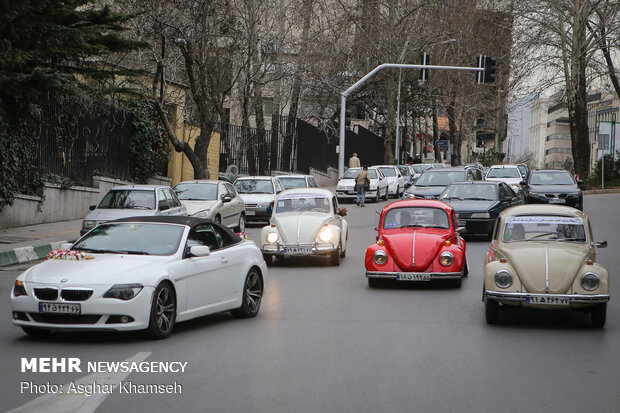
(113,251)
(571,239)
(479,199)
(542,235)
(455,197)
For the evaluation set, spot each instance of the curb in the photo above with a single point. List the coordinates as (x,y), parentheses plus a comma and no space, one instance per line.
(28,254)
(601,191)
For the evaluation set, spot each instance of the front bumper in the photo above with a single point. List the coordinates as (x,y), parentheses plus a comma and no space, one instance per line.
(525,297)
(385,275)
(353,195)
(317,248)
(575,202)
(478,225)
(257,214)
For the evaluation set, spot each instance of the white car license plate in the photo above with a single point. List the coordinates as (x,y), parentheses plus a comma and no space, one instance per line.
(58,308)
(429,197)
(546,299)
(462,223)
(413,277)
(298,250)
(250,212)
(557,201)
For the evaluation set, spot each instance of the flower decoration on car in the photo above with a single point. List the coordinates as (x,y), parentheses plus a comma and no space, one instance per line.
(69,255)
(242,235)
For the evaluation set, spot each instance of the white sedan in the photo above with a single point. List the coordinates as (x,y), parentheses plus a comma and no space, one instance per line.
(378,185)
(143,273)
(305,222)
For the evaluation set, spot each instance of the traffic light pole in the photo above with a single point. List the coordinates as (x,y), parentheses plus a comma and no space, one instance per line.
(346,93)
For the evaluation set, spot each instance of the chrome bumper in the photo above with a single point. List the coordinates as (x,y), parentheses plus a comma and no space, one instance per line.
(522,297)
(317,248)
(433,275)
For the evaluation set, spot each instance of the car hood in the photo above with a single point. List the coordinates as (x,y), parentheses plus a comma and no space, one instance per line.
(471,205)
(509,181)
(197,206)
(553,189)
(401,247)
(104,214)
(256,198)
(532,260)
(425,190)
(104,269)
(299,227)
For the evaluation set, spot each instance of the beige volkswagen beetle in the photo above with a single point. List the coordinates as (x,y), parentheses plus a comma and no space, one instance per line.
(544,257)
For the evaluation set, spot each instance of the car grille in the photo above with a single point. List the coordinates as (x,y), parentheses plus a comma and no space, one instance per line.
(65,318)
(251,205)
(76,295)
(556,195)
(47,294)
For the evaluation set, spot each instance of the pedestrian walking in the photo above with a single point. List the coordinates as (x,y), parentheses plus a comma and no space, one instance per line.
(362,183)
(354,161)
(417,158)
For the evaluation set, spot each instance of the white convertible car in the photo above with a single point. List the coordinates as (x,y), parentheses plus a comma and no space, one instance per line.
(304,222)
(143,273)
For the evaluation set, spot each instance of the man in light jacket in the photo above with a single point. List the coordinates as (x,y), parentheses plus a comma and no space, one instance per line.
(362,182)
(354,161)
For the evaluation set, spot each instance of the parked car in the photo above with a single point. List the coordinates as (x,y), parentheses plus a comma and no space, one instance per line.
(298,181)
(479,203)
(378,185)
(306,222)
(524,170)
(417,240)
(433,181)
(551,186)
(142,273)
(132,201)
(419,168)
(510,174)
(408,173)
(544,257)
(214,200)
(258,192)
(396,181)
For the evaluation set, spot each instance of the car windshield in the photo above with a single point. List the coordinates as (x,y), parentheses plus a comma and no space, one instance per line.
(440,178)
(409,217)
(551,178)
(289,183)
(388,171)
(480,192)
(404,170)
(128,199)
(504,173)
(523,169)
(132,238)
(544,228)
(196,191)
(254,186)
(302,202)
(420,167)
(351,173)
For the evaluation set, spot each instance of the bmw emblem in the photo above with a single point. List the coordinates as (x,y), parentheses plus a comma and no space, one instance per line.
(64,280)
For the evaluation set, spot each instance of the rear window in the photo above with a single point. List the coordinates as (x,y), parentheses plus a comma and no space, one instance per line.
(544,228)
(422,217)
(504,173)
(289,183)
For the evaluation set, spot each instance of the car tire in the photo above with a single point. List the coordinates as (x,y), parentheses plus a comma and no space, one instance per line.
(457,283)
(386,195)
(334,258)
(466,269)
(598,313)
(241,226)
(252,295)
(377,196)
(374,282)
(36,332)
(491,311)
(163,311)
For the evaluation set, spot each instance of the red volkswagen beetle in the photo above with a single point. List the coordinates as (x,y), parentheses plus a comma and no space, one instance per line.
(417,240)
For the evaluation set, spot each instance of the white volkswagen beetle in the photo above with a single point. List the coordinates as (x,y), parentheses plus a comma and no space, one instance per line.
(142,273)
(304,222)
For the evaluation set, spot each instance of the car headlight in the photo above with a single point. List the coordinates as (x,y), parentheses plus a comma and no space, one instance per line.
(19,289)
(202,214)
(325,235)
(123,291)
(89,224)
(480,215)
(446,258)
(503,279)
(573,194)
(272,237)
(379,257)
(537,195)
(590,281)
(516,187)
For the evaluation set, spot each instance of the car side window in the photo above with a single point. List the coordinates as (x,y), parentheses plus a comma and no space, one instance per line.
(335,203)
(231,190)
(312,183)
(162,199)
(208,235)
(172,198)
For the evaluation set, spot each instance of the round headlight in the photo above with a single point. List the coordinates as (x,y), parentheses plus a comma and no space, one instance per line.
(503,279)
(380,257)
(590,281)
(446,258)
(325,235)
(272,237)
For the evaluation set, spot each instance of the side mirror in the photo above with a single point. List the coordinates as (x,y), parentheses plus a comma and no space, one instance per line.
(163,205)
(522,183)
(226,199)
(341,211)
(579,181)
(601,244)
(200,251)
(462,230)
(92,207)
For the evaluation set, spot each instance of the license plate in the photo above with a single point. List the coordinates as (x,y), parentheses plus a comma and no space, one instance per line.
(462,223)
(546,299)
(413,277)
(57,308)
(429,197)
(250,212)
(557,201)
(298,250)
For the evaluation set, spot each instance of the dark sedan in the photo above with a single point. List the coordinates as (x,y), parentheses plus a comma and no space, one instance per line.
(479,203)
(433,181)
(550,186)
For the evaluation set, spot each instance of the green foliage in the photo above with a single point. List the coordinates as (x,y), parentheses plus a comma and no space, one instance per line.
(149,146)
(612,172)
(52,178)
(16,155)
(490,158)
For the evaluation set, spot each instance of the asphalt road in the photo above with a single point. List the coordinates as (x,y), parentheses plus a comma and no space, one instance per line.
(325,342)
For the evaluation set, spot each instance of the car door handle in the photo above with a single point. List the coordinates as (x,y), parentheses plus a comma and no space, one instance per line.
(224,260)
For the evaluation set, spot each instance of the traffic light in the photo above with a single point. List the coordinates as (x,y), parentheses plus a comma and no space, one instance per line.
(426,60)
(489,64)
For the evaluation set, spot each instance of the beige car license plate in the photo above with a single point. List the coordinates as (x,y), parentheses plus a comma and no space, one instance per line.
(413,277)
(546,299)
(59,308)
(298,250)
